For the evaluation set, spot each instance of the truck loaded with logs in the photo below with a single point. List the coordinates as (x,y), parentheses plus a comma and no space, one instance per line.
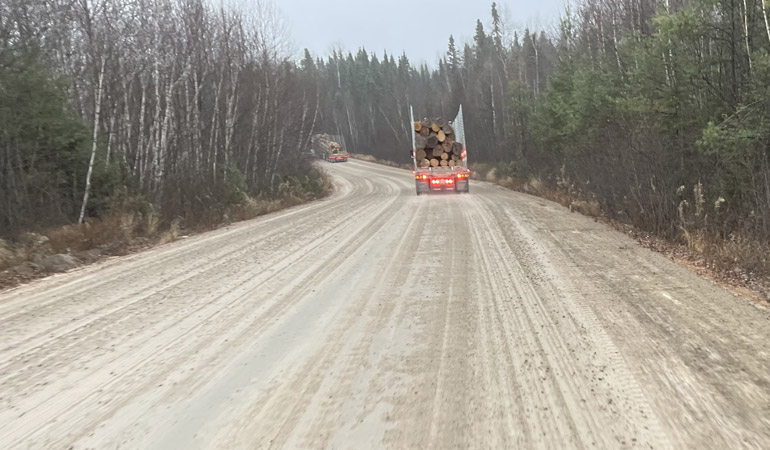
(439,154)
(326,147)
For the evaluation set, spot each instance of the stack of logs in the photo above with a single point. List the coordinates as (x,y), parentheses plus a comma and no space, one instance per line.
(326,143)
(435,144)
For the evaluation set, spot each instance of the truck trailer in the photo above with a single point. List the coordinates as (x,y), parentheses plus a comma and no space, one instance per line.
(440,155)
(327,148)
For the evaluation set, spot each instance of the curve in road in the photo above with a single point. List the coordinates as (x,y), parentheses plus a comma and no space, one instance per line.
(379,319)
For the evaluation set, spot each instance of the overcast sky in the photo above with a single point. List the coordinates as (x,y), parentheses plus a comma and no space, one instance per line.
(421,27)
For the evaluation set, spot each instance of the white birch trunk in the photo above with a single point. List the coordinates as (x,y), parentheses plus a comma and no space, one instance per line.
(94,142)
(164,133)
(197,124)
(214,135)
(764,15)
(492,99)
(615,41)
(140,145)
(746,33)
(110,137)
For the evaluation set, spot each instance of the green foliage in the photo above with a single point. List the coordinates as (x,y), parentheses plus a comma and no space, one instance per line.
(680,99)
(510,170)
(308,64)
(236,189)
(106,181)
(34,114)
(731,144)
(44,144)
(576,108)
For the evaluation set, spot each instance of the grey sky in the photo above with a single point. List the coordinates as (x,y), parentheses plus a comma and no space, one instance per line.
(422,28)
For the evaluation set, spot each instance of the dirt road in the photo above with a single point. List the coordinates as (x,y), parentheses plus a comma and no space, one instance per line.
(335,325)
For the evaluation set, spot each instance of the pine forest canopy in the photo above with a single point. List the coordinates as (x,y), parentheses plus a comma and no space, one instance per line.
(391,25)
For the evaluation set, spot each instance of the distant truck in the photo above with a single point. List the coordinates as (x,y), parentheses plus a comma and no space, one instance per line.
(440,156)
(327,148)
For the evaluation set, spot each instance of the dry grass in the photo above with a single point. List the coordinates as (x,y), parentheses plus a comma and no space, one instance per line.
(122,233)
(737,254)
(171,234)
(694,240)
(736,261)
(534,186)
(362,157)
(291,192)
(590,208)
(252,208)
(561,193)
(7,255)
(479,172)
(113,233)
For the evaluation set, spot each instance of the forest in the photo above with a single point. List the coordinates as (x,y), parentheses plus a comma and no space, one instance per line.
(655,111)
(171,108)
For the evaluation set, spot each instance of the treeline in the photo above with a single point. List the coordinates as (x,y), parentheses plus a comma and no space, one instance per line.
(175,106)
(658,111)
(496,78)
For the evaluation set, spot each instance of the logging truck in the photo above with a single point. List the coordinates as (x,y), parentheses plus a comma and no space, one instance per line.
(327,148)
(439,155)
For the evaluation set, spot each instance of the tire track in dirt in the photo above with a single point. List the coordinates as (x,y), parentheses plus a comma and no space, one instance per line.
(339,325)
(581,355)
(695,349)
(52,411)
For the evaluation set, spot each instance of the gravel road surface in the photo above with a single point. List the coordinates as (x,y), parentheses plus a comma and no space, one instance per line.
(337,324)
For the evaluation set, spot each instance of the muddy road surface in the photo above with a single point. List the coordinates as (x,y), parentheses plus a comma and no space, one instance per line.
(379,319)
